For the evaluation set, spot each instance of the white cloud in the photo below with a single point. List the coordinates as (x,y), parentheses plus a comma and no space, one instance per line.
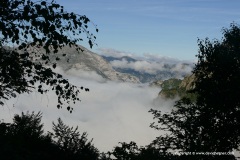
(142,66)
(148,63)
(183,69)
(111,112)
(89,75)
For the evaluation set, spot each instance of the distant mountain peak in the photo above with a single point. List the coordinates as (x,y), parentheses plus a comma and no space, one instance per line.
(149,70)
(89,61)
(126,58)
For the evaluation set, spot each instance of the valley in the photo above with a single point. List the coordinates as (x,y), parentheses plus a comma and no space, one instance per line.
(116,108)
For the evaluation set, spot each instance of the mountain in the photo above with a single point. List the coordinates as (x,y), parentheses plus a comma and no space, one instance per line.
(90,62)
(157,83)
(125,68)
(145,77)
(188,82)
(127,58)
(149,70)
(173,87)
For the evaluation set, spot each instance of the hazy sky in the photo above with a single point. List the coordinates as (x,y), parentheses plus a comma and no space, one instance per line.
(165,27)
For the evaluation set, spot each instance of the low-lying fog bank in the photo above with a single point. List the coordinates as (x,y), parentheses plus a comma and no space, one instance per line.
(111,112)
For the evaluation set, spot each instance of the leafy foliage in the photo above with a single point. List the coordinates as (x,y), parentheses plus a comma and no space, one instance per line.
(130,151)
(211,123)
(217,84)
(72,143)
(27,125)
(29,25)
(126,151)
(25,139)
(20,75)
(180,132)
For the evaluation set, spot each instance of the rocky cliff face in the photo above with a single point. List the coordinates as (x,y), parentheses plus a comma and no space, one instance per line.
(157,83)
(188,83)
(88,61)
(173,88)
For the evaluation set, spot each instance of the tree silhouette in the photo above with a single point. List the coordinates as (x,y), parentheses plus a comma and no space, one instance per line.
(126,151)
(29,25)
(218,78)
(73,143)
(212,123)
(27,125)
(131,151)
(24,139)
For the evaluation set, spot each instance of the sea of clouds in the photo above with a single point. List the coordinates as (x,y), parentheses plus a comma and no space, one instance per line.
(149,63)
(111,112)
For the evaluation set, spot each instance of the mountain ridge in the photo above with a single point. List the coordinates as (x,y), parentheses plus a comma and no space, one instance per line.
(84,60)
(149,70)
(173,88)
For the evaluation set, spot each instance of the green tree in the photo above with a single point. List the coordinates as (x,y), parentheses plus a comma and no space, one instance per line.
(24,139)
(130,151)
(127,151)
(28,25)
(27,125)
(212,123)
(217,85)
(71,142)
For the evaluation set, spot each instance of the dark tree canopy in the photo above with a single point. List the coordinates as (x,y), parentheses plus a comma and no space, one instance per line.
(73,143)
(218,70)
(217,85)
(27,26)
(212,123)
(24,139)
(46,23)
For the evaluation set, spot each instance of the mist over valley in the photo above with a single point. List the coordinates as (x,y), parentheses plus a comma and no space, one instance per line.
(116,108)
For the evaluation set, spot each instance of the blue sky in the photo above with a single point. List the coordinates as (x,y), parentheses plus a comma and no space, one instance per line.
(162,27)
